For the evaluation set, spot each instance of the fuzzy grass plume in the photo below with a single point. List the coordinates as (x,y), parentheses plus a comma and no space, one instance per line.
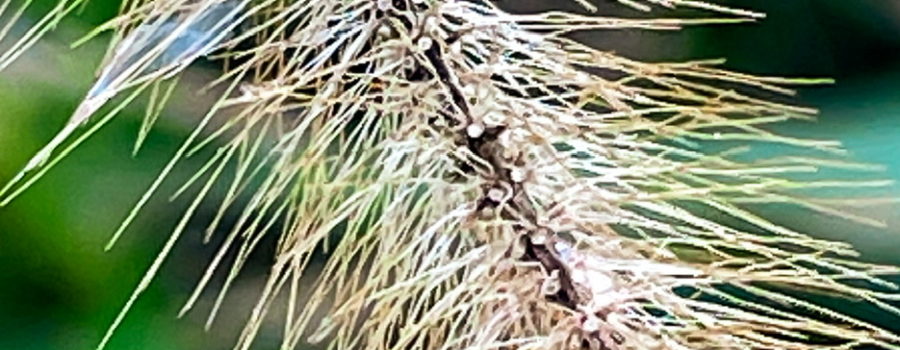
(480,181)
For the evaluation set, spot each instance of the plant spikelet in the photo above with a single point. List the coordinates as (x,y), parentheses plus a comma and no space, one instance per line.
(479,180)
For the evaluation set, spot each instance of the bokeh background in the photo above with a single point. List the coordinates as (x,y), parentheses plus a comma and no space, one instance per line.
(60,290)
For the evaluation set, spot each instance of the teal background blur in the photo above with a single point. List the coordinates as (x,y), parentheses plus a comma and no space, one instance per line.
(60,290)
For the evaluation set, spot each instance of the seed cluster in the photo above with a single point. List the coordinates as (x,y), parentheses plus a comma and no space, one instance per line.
(458,177)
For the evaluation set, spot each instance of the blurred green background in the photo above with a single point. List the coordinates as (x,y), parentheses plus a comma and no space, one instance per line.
(60,290)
